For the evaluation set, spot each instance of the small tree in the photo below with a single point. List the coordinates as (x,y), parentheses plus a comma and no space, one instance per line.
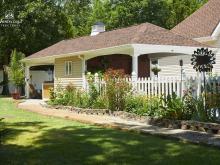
(16,71)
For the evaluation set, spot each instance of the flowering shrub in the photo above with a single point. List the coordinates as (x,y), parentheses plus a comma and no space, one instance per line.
(70,96)
(116,89)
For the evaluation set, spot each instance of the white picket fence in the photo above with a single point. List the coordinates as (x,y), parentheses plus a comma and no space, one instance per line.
(164,86)
(159,86)
(151,86)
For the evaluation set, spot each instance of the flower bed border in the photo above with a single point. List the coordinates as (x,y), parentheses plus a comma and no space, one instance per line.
(213,128)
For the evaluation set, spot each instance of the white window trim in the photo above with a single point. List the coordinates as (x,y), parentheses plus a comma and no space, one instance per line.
(67,70)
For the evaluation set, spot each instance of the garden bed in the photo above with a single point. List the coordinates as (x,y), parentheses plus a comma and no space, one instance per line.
(213,128)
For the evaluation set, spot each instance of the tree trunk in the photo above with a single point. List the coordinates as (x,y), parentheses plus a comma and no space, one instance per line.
(5,90)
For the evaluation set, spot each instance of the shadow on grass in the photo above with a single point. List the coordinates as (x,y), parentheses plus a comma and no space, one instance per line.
(10,131)
(95,145)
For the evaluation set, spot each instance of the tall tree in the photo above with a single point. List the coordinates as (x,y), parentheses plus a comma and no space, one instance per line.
(122,13)
(181,9)
(43,24)
(79,11)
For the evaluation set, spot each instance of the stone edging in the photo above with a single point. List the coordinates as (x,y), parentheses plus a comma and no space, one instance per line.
(213,128)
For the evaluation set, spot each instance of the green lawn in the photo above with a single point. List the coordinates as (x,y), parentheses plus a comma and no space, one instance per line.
(34,139)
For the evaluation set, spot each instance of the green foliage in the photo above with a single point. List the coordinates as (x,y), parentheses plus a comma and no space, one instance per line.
(16,71)
(71,96)
(101,102)
(181,9)
(196,107)
(52,94)
(113,98)
(117,96)
(170,107)
(142,105)
(173,107)
(136,104)
(93,94)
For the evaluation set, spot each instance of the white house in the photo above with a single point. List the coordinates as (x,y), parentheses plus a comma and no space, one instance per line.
(134,49)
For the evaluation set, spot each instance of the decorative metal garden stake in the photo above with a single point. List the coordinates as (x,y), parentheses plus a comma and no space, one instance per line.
(202,61)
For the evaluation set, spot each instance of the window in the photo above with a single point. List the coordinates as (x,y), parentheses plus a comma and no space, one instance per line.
(154,61)
(68,68)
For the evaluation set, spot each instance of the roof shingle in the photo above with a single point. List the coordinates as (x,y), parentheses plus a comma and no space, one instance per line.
(202,23)
(139,34)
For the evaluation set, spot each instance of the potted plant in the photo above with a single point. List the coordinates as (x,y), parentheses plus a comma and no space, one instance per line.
(155,70)
(16,73)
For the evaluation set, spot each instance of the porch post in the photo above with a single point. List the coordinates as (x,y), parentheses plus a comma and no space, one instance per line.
(83,73)
(27,79)
(135,64)
(134,74)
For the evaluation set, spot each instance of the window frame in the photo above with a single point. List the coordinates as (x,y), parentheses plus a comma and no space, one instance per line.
(68,68)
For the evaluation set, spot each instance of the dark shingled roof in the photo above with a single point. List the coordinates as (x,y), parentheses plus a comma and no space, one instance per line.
(145,33)
(202,23)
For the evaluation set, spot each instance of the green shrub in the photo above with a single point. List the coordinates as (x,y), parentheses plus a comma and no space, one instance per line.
(93,94)
(154,107)
(195,107)
(16,69)
(173,107)
(144,106)
(100,103)
(136,104)
(116,96)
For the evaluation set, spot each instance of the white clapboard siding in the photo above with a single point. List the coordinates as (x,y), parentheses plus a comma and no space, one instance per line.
(216,69)
(63,82)
(215,44)
(74,79)
(169,65)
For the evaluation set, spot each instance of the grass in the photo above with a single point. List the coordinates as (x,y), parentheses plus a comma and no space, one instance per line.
(33,139)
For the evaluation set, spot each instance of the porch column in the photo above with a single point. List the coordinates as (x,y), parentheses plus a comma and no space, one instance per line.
(135,64)
(83,73)
(27,79)
(134,74)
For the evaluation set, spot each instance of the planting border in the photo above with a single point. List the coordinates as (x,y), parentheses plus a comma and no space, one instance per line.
(213,128)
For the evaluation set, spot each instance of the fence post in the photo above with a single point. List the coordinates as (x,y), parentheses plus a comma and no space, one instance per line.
(199,84)
(134,80)
(96,80)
